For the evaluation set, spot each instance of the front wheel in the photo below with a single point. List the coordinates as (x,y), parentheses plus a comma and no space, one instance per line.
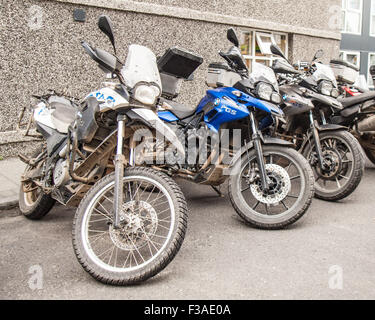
(153,223)
(343,165)
(291,188)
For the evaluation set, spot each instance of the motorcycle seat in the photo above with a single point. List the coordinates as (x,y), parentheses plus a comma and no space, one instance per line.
(352,101)
(180,110)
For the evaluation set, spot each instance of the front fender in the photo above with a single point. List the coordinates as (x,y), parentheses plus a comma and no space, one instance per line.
(322,128)
(265,141)
(330,127)
(151,119)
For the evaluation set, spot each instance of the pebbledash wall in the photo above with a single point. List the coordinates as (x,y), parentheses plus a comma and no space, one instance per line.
(40,42)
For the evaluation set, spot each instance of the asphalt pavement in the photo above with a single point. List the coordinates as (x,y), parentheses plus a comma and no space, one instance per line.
(329,254)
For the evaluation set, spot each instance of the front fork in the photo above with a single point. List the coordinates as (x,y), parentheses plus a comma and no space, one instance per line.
(316,138)
(119,171)
(259,153)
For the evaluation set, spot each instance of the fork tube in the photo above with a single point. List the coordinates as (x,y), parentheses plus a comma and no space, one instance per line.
(316,137)
(119,171)
(259,153)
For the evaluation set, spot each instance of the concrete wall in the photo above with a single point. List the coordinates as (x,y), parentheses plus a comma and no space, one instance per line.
(43,53)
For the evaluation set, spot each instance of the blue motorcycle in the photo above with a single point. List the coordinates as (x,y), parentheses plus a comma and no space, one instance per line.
(270,184)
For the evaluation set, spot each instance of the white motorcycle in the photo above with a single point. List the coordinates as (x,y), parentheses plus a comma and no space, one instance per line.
(131,221)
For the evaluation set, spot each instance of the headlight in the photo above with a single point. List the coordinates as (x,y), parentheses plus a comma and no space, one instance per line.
(326,88)
(335,93)
(146,94)
(276,98)
(264,91)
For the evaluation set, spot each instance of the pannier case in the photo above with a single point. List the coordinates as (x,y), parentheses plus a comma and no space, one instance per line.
(220,75)
(179,63)
(175,66)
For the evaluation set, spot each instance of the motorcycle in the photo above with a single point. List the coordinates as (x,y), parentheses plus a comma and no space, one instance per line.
(358,114)
(270,184)
(131,221)
(350,82)
(309,100)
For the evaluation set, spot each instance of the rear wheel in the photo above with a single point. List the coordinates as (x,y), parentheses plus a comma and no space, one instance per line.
(34,204)
(290,193)
(344,165)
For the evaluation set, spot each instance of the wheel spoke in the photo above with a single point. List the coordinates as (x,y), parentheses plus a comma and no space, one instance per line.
(338,183)
(285,206)
(343,177)
(266,206)
(295,178)
(256,205)
(291,196)
(247,188)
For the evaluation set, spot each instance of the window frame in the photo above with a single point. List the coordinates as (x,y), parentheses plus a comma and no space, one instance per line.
(372,14)
(346,10)
(352,52)
(268,57)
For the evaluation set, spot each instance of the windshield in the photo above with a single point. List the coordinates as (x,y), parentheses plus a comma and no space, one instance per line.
(264,74)
(324,72)
(140,66)
(361,83)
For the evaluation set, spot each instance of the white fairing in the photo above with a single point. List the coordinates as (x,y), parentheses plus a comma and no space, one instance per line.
(324,72)
(263,73)
(142,75)
(43,115)
(109,99)
(140,66)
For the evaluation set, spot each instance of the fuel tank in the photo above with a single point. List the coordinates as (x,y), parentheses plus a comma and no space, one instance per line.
(294,101)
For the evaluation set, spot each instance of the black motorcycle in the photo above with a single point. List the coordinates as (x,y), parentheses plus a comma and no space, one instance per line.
(309,100)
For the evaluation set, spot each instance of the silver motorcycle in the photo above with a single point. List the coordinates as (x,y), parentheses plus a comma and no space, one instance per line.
(131,221)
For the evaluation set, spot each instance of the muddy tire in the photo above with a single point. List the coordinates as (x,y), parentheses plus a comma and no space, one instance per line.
(34,205)
(139,228)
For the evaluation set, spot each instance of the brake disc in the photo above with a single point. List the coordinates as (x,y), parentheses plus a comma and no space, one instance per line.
(139,222)
(280,186)
(332,161)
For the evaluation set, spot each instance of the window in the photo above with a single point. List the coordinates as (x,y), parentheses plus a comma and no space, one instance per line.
(351,18)
(372,19)
(256,46)
(371,61)
(353,57)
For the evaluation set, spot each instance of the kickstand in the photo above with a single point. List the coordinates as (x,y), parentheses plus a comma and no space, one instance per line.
(217,191)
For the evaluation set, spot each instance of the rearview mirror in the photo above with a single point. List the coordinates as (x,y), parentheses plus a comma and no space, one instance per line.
(105,25)
(232,37)
(319,54)
(277,51)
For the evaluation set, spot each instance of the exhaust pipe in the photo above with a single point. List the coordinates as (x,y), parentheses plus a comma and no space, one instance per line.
(367,124)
